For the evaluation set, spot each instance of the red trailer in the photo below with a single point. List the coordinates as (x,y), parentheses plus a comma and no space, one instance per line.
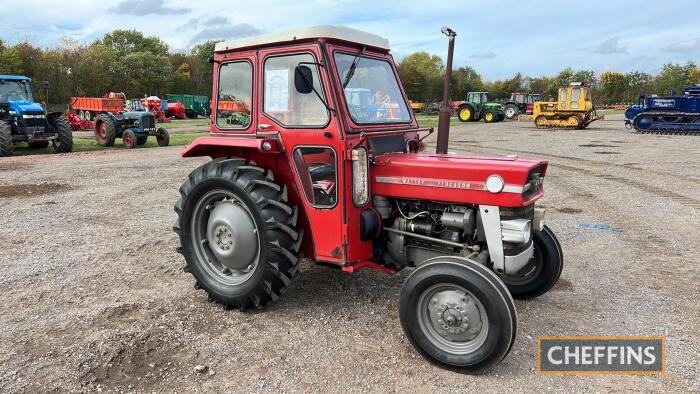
(89,107)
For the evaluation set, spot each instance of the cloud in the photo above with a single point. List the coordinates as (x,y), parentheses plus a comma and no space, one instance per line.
(484,55)
(610,46)
(225,31)
(684,46)
(206,21)
(145,7)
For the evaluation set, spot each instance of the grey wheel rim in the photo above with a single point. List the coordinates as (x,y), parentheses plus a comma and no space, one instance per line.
(510,112)
(225,237)
(452,319)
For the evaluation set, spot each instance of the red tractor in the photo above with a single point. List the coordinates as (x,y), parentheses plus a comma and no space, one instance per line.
(326,166)
(520,103)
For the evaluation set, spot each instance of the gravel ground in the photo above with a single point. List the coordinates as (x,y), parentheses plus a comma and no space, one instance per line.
(94,296)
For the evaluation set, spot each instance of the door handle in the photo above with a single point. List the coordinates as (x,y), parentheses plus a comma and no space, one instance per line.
(263,126)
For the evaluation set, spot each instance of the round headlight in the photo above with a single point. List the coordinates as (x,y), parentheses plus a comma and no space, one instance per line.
(495,184)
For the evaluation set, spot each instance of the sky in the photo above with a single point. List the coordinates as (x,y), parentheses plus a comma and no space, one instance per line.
(497,38)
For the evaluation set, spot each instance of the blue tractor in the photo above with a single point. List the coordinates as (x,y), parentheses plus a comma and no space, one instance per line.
(23,120)
(666,114)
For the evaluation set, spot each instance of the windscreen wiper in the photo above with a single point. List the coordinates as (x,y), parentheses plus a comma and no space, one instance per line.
(351,70)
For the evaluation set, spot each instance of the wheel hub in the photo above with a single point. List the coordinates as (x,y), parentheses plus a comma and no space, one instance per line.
(454,315)
(232,235)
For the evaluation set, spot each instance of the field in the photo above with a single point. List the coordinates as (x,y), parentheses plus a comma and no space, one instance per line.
(95,298)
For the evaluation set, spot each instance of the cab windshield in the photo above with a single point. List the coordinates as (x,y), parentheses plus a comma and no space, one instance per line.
(371,90)
(11,90)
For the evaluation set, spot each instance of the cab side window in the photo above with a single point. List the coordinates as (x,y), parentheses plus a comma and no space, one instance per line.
(283,103)
(317,173)
(235,95)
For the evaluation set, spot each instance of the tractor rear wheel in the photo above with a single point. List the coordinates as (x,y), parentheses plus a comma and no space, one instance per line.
(238,233)
(6,143)
(465,113)
(162,137)
(510,111)
(458,314)
(543,270)
(105,130)
(64,142)
(38,144)
(129,139)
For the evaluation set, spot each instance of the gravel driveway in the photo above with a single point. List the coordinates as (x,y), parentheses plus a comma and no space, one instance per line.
(94,296)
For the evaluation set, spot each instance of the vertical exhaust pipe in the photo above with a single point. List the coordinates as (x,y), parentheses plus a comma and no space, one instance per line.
(443,136)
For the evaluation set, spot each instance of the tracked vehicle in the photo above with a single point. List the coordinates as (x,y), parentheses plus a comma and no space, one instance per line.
(666,115)
(327,168)
(573,110)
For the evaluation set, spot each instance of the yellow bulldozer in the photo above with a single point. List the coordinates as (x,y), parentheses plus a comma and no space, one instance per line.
(573,110)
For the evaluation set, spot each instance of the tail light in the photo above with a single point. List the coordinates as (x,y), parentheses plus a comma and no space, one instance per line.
(360,177)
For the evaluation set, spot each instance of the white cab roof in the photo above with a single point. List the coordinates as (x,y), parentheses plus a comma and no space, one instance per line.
(325,31)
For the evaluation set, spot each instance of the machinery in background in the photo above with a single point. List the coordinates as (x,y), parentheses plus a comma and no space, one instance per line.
(133,127)
(176,110)
(477,107)
(666,114)
(520,103)
(87,108)
(23,120)
(573,110)
(77,123)
(154,105)
(194,105)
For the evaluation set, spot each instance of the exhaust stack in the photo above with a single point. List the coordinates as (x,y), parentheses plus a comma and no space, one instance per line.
(443,136)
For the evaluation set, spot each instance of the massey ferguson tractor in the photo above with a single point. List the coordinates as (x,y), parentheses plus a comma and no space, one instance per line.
(316,172)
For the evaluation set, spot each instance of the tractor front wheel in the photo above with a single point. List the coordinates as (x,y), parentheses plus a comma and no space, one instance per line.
(64,142)
(465,113)
(129,139)
(489,117)
(162,137)
(543,270)
(6,143)
(458,314)
(105,130)
(238,233)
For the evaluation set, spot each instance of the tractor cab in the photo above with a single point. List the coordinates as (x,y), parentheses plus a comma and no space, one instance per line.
(576,96)
(317,156)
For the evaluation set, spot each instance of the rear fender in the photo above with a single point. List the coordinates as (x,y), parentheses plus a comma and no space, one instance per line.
(274,159)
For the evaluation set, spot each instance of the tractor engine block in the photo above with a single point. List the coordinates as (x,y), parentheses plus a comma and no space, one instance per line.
(419,230)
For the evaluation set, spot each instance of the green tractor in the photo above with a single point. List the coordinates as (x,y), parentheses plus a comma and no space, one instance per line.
(477,107)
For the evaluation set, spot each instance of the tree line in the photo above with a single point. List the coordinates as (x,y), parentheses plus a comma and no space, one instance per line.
(422,75)
(121,61)
(127,61)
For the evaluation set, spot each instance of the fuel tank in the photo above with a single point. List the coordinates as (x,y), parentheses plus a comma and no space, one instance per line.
(458,179)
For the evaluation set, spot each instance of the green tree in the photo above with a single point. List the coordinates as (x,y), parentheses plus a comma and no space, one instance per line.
(94,72)
(421,74)
(614,86)
(125,42)
(145,74)
(464,80)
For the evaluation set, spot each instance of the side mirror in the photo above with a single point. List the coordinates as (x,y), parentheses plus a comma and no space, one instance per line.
(303,79)
(45,85)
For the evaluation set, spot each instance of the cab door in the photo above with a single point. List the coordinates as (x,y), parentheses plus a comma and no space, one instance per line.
(308,131)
